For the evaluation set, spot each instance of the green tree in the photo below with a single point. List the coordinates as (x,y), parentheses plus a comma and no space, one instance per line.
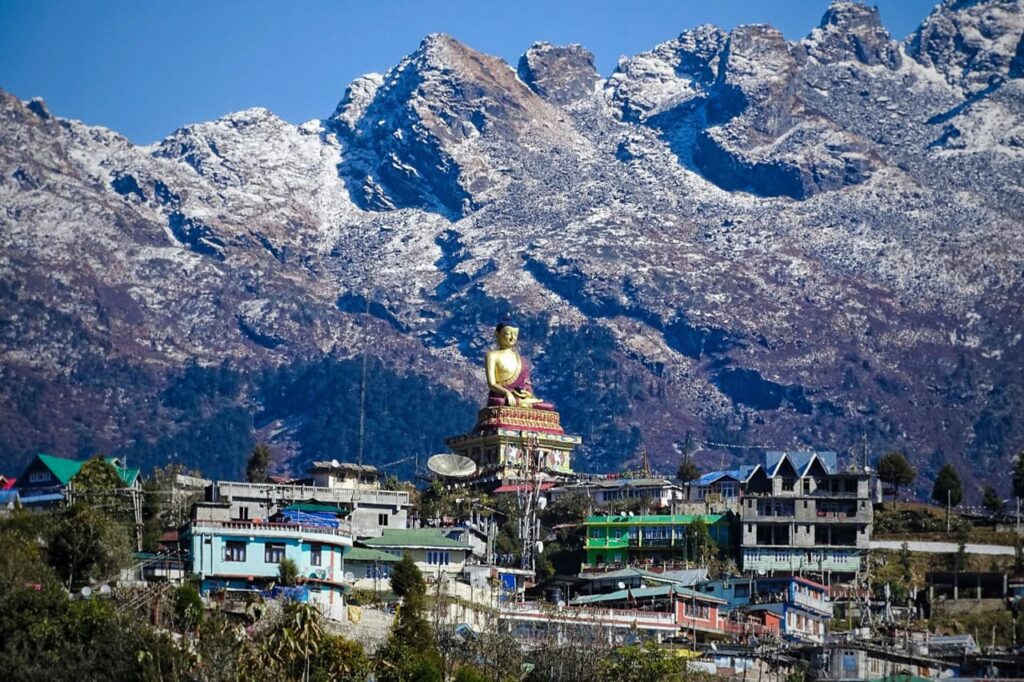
(98,485)
(411,625)
(288,572)
(296,646)
(645,662)
(86,545)
(700,542)
(947,486)
(258,465)
(687,470)
(906,567)
(894,469)
(187,607)
(991,501)
(410,652)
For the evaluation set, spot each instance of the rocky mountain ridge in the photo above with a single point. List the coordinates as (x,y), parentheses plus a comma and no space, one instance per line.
(762,242)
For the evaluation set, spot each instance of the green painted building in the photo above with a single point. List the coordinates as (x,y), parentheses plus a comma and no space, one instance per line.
(649,538)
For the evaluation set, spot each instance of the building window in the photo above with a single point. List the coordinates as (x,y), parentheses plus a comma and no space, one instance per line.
(243,513)
(437,558)
(39,477)
(316,554)
(234,551)
(273,552)
(382,519)
(698,611)
(377,570)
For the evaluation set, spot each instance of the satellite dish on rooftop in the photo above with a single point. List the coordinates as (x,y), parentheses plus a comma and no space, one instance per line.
(350,577)
(335,463)
(86,592)
(105,590)
(451,465)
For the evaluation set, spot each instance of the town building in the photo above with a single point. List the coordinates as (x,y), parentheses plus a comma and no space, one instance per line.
(801,514)
(649,539)
(46,481)
(801,606)
(244,556)
(656,493)
(870,661)
(335,474)
(430,548)
(625,615)
(350,486)
(723,488)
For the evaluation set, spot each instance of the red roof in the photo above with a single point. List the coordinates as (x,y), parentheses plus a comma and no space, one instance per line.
(521,487)
(7,483)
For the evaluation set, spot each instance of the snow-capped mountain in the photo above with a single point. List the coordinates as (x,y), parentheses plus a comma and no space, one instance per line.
(760,241)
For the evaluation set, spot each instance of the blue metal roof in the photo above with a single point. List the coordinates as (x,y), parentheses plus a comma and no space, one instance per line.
(800,460)
(740,475)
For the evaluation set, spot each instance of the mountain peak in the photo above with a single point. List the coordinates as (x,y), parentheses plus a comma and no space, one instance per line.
(559,74)
(974,45)
(850,31)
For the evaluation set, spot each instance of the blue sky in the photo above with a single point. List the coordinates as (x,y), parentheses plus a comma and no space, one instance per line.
(145,68)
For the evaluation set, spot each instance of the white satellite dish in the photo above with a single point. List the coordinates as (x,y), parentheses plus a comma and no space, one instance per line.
(350,576)
(335,464)
(621,585)
(539,547)
(86,592)
(542,503)
(451,465)
(105,590)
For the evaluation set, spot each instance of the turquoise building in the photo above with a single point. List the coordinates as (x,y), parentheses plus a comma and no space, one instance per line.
(245,556)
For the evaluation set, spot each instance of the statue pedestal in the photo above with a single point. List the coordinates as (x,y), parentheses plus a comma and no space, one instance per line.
(508,442)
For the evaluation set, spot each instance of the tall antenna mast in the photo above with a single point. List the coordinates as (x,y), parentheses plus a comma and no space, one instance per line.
(362,382)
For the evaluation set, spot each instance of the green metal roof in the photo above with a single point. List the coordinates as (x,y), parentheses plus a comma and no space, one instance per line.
(415,538)
(368,554)
(653,519)
(316,507)
(66,469)
(645,592)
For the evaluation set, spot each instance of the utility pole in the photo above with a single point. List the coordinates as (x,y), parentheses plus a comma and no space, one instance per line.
(948,494)
(528,497)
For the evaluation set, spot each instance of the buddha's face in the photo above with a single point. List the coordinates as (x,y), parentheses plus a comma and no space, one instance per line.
(507,337)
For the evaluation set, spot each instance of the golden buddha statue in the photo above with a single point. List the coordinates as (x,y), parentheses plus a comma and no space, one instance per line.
(508,373)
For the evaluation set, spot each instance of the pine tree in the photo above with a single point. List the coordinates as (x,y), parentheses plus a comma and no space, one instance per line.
(259,463)
(894,469)
(990,500)
(947,488)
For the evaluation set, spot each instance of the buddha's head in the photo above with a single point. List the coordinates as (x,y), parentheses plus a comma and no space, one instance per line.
(506,334)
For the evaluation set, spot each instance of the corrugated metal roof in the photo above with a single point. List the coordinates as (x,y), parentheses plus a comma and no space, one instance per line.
(426,538)
(369,554)
(800,460)
(645,592)
(66,469)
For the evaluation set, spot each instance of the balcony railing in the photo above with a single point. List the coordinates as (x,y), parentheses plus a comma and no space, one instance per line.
(587,615)
(254,528)
(306,492)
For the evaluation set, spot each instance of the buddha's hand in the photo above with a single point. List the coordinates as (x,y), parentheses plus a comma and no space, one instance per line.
(510,397)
